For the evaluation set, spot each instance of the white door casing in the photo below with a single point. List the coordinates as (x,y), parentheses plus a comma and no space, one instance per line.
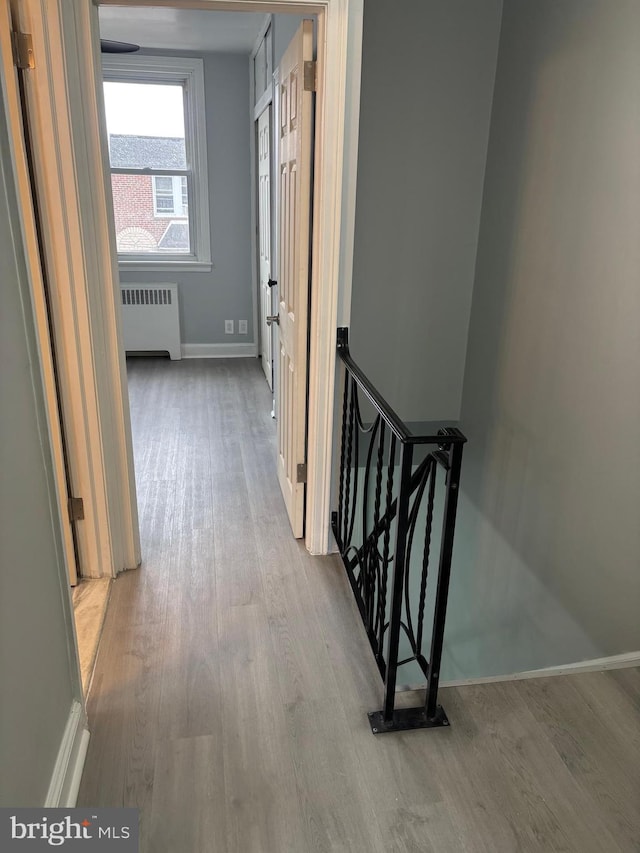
(65,114)
(296,105)
(264,240)
(38,294)
(27,245)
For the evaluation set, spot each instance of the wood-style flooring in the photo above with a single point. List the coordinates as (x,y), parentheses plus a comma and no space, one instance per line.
(233,679)
(89,598)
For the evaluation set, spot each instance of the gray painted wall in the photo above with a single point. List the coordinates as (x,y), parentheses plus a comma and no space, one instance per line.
(37,672)
(547,558)
(427,81)
(284,29)
(225,293)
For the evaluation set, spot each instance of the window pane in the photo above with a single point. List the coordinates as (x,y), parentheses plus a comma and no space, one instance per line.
(145,124)
(185,195)
(164,204)
(148,218)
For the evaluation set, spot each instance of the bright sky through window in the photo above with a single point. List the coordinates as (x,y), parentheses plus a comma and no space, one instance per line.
(144,109)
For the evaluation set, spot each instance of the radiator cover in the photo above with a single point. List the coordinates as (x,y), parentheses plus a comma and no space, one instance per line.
(151,318)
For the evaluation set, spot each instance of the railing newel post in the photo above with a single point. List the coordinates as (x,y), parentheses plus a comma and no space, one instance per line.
(444,574)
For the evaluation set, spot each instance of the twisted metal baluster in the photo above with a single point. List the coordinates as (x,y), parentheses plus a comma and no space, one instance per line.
(425,554)
(343,444)
(379,620)
(413,519)
(385,543)
(369,587)
(345,543)
(356,460)
(397,587)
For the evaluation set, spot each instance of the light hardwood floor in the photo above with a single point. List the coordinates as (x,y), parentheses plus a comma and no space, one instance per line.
(89,598)
(233,679)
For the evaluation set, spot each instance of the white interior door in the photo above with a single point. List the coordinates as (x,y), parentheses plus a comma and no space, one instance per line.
(264,241)
(295,123)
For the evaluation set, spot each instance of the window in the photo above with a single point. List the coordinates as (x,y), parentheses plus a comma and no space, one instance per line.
(170,196)
(157,152)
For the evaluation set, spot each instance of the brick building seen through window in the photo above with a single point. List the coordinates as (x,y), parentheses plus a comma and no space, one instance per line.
(151,211)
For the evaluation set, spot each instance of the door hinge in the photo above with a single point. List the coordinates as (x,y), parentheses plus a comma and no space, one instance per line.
(302,473)
(22,44)
(310,76)
(76,509)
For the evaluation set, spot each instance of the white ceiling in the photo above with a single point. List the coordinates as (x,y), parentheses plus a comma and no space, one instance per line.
(181,29)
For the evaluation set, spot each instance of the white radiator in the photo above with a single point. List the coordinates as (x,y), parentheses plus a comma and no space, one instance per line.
(150,318)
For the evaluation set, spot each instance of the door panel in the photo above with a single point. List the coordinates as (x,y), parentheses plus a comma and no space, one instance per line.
(295,140)
(264,241)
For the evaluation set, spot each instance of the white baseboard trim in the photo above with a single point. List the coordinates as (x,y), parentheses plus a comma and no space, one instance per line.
(219,350)
(594,665)
(67,772)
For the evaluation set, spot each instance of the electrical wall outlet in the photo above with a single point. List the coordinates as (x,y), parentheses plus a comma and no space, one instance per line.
(228,327)
(242,327)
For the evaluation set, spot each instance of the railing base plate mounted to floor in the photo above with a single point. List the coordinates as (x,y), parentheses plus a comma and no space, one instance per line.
(406,719)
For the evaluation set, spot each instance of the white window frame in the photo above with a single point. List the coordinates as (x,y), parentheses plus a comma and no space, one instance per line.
(189,73)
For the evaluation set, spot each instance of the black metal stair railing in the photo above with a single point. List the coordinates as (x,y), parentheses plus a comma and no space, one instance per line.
(387,500)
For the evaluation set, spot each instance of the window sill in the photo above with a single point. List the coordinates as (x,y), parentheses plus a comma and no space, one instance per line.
(165,266)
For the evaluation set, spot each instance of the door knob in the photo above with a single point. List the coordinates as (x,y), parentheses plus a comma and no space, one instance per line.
(272,282)
(275,318)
